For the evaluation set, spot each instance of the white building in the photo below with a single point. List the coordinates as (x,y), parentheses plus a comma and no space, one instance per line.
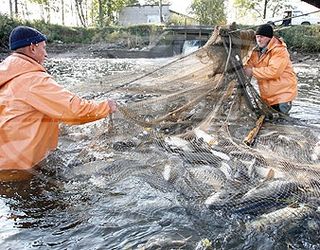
(150,14)
(143,14)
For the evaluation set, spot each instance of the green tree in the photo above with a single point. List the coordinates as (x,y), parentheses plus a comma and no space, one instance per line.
(260,7)
(81,7)
(209,12)
(16,11)
(11,8)
(103,11)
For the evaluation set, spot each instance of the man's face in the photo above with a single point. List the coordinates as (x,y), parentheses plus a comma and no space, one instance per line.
(262,41)
(39,52)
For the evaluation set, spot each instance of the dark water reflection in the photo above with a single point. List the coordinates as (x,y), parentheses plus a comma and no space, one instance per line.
(82,207)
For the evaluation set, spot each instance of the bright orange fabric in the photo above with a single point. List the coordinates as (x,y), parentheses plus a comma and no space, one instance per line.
(31,106)
(274,72)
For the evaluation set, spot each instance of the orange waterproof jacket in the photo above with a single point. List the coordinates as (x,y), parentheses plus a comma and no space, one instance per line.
(274,72)
(31,106)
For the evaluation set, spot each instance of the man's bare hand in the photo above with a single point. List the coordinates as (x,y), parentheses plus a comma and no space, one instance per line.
(113,105)
(248,71)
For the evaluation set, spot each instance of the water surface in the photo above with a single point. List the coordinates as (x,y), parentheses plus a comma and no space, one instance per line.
(118,198)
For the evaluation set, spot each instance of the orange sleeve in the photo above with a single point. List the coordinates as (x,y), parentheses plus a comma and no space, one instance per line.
(58,103)
(250,58)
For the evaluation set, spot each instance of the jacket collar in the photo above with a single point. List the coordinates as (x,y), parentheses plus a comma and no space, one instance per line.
(274,43)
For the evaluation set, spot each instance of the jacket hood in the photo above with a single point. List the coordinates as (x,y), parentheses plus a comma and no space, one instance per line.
(16,65)
(276,42)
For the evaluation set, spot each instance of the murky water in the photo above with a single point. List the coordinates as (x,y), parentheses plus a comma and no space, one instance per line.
(307,104)
(117,199)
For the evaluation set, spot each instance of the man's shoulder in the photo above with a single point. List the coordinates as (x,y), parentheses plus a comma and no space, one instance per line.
(277,43)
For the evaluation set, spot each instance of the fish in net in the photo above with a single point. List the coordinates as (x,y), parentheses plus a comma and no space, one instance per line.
(186,134)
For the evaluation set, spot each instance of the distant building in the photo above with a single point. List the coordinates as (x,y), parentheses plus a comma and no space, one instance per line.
(150,14)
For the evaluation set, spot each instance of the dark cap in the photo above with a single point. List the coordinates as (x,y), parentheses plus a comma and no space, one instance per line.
(23,36)
(265,30)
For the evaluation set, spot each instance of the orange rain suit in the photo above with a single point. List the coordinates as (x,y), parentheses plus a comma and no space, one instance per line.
(32,105)
(274,72)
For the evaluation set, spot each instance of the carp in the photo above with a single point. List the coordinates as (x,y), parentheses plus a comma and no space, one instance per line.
(217,200)
(268,196)
(280,217)
(175,142)
(164,242)
(204,136)
(201,158)
(209,175)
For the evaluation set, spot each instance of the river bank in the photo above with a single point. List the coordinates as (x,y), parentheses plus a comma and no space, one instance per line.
(100,50)
(115,50)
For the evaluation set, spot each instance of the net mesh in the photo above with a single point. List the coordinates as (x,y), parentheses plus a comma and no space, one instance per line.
(182,127)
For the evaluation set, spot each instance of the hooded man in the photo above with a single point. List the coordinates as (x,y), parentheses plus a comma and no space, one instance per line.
(32,104)
(270,64)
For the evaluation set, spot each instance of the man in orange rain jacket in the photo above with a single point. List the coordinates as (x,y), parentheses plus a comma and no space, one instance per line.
(270,64)
(32,104)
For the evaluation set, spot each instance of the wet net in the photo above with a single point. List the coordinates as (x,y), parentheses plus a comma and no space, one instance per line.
(191,127)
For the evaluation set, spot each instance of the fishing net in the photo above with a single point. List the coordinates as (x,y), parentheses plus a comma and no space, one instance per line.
(190,127)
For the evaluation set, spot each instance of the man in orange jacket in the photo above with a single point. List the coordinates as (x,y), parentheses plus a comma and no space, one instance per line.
(270,64)
(32,104)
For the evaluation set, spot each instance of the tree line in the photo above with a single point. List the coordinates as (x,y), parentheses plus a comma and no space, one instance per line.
(101,13)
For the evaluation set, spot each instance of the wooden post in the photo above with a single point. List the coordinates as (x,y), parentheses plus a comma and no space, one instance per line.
(249,140)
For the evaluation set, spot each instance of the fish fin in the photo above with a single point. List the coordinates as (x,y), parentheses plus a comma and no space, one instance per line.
(270,175)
